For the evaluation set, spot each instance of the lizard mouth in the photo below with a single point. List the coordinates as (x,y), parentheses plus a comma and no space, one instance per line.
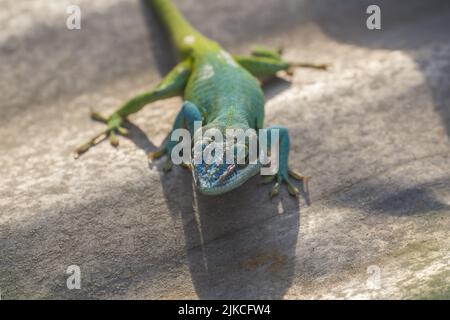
(217,177)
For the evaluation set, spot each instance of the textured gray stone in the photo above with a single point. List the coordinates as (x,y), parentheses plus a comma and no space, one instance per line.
(373,132)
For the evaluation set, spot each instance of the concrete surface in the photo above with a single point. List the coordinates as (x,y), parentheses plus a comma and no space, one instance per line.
(373,132)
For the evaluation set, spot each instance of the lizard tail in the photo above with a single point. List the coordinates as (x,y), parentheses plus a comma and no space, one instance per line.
(182,33)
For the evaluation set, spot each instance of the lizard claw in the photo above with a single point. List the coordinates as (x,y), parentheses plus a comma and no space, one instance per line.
(113,140)
(319,66)
(280,178)
(185,165)
(86,146)
(292,66)
(293,191)
(98,117)
(156,154)
(298,176)
(114,126)
(275,190)
(168,164)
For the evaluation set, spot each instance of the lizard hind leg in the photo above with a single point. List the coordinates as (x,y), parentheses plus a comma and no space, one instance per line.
(265,64)
(260,51)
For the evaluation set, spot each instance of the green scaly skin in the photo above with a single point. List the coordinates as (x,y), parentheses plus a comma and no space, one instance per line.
(220,90)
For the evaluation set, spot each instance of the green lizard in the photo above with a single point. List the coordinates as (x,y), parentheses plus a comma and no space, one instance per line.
(221,91)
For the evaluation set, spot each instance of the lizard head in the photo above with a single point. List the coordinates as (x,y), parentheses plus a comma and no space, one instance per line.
(220,165)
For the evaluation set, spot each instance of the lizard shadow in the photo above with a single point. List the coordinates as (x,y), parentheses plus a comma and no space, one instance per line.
(163,53)
(238,245)
(275,86)
(139,137)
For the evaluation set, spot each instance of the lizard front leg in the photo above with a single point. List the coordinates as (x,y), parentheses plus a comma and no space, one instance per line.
(188,114)
(284,172)
(173,84)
